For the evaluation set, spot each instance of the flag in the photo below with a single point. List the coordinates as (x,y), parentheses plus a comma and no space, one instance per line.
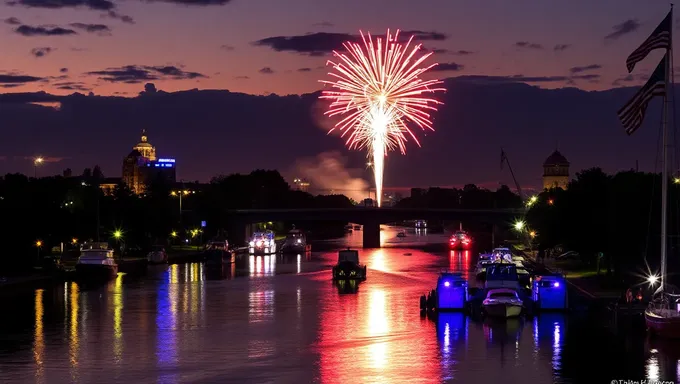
(659,39)
(503,158)
(633,113)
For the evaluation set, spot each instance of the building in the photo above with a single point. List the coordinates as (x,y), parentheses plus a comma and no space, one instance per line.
(109,185)
(141,166)
(555,171)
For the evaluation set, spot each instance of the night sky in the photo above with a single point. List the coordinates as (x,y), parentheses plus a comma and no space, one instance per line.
(563,50)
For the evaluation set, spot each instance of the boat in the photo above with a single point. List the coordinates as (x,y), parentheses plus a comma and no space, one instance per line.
(157,256)
(262,243)
(451,294)
(401,234)
(502,275)
(357,227)
(460,240)
(502,302)
(421,224)
(662,315)
(96,262)
(348,267)
(217,257)
(295,242)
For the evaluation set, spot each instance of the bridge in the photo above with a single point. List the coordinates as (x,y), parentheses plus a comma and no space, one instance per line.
(369,217)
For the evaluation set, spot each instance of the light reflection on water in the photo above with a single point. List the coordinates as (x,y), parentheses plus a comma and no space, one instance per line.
(175,326)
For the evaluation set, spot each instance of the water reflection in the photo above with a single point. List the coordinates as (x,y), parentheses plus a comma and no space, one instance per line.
(378,327)
(452,335)
(118,318)
(262,265)
(166,324)
(74,339)
(548,329)
(39,336)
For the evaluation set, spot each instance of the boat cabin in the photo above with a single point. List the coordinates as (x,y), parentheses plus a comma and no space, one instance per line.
(549,292)
(348,255)
(502,275)
(452,291)
(502,293)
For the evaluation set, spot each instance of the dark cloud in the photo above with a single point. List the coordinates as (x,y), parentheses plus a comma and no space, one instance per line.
(100,29)
(63,70)
(101,5)
(561,47)
(628,79)
(241,77)
(115,15)
(590,67)
(7,80)
(43,30)
(304,69)
(198,3)
(41,51)
(321,43)
(266,71)
(484,114)
(590,76)
(528,45)
(624,28)
(72,86)
(462,52)
(12,21)
(133,74)
(441,67)
(227,47)
(324,24)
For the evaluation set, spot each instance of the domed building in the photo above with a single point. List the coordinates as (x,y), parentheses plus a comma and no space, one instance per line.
(141,166)
(145,148)
(556,171)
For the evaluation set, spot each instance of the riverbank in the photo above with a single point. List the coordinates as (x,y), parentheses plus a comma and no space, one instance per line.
(587,282)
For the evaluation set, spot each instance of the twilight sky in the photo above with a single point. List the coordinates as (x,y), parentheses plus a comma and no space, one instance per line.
(232,44)
(571,54)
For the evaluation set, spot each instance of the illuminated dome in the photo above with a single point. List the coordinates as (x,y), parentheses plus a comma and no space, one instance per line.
(556,160)
(145,148)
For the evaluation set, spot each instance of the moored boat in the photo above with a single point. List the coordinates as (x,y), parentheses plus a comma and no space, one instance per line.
(502,302)
(96,262)
(295,242)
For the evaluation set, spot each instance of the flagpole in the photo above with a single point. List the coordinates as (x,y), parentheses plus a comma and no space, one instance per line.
(664,173)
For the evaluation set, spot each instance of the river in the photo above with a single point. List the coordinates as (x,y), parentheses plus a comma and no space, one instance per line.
(282,320)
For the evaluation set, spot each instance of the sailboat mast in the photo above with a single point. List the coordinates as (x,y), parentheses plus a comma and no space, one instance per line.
(664,172)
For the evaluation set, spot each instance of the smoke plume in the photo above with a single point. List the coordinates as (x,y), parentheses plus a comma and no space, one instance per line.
(327,174)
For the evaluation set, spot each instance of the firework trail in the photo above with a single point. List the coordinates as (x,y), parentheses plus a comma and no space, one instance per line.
(378,90)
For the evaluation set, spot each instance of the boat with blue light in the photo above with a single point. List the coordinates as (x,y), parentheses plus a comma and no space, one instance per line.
(451,294)
(549,292)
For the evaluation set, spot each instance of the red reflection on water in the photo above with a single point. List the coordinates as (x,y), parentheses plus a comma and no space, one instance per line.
(375,335)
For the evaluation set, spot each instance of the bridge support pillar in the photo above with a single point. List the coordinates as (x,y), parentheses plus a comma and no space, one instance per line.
(371,235)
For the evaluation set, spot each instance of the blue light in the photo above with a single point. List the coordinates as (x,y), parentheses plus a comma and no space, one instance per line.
(446,283)
(157,165)
(557,284)
(166,160)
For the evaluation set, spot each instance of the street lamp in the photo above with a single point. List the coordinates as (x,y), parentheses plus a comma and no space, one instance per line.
(519,225)
(38,245)
(532,234)
(532,201)
(117,234)
(180,193)
(36,162)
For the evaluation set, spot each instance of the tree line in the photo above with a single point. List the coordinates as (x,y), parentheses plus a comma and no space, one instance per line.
(613,218)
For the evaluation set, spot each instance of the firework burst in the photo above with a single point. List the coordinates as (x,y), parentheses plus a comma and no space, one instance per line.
(378,91)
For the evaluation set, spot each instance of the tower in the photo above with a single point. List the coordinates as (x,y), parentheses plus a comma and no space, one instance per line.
(556,171)
(145,148)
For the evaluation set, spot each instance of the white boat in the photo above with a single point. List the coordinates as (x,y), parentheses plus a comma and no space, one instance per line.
(96,262)
(502,302)
(262,243)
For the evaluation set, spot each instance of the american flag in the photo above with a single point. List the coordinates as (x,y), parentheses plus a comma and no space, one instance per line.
(659,39)
(633,113)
